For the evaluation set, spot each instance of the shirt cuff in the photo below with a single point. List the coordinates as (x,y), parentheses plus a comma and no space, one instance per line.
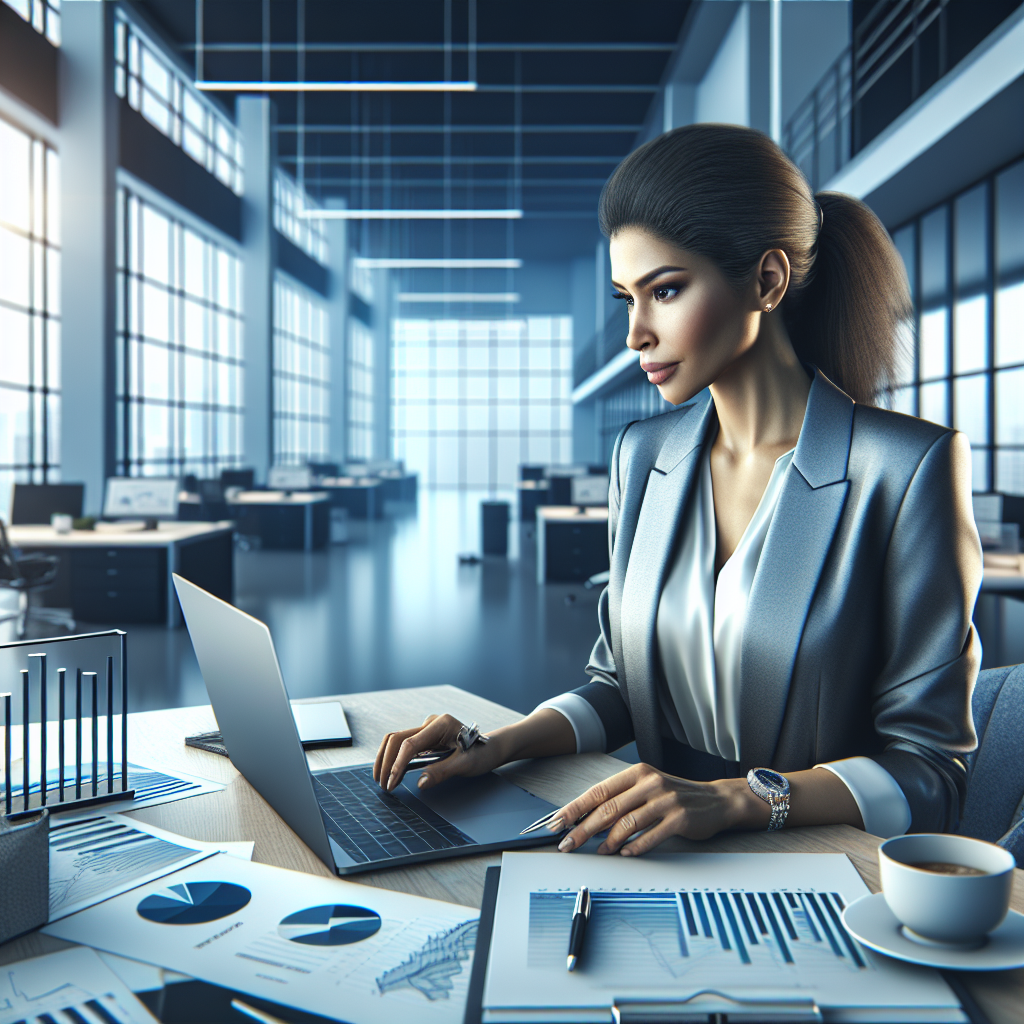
(882,804)
(585,721)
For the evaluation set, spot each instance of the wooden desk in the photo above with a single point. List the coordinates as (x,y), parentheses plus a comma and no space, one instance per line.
(239,813)
(111,576)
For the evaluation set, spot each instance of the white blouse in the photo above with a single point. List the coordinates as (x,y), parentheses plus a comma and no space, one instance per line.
(700,639)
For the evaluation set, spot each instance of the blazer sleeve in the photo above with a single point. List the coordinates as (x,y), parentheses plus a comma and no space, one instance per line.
(603,692)
(931,651)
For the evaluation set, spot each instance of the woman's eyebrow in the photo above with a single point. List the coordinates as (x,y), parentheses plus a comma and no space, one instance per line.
(650,276)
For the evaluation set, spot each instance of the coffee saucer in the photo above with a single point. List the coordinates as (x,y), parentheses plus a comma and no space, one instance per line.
(870,921)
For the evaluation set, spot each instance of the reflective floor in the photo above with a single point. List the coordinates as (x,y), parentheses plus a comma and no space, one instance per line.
(392,607)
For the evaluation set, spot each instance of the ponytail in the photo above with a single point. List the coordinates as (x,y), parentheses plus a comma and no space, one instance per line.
(848,319)
(730,194)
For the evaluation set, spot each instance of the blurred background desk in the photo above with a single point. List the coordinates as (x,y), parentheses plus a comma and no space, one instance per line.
(572,543)
(124,575)
(291,521)
(239,813)
(361,497)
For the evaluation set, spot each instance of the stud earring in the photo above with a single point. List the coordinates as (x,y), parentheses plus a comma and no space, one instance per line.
(768,308)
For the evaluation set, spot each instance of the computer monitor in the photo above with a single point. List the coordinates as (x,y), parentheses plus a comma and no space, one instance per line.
(141,497)
(35,503)
(588,490)
(289,478)
(322,469)
(244,478)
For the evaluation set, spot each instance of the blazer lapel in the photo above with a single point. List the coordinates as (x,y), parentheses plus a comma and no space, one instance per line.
(798,542)
(668,489)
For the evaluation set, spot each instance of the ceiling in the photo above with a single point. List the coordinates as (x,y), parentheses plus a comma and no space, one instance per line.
(564,87)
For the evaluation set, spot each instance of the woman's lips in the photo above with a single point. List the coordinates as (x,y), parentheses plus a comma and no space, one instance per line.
(658,373)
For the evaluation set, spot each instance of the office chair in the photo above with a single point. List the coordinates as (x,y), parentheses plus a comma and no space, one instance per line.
(244,478)
(25,573)
(994,808)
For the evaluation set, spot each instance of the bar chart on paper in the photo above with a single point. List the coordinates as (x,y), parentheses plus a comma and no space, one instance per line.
(652,937)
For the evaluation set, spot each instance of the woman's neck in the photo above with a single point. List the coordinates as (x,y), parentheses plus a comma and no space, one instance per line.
(761,397)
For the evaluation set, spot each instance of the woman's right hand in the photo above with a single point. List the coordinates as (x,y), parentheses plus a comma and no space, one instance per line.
(438,732)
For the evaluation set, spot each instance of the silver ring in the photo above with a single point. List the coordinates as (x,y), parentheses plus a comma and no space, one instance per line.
(468,735)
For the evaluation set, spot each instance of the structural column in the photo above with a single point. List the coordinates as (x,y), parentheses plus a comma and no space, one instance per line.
(337,312)
(259,245)
(384,307)
(89,156)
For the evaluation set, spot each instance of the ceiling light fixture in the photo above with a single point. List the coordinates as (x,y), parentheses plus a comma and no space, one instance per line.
(336,86)
(412,214)
(458,296)
(402,263)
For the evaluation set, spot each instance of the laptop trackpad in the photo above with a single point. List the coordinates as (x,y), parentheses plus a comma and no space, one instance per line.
(488,808)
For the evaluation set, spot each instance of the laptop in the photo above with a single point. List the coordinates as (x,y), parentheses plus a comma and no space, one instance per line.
(341,814)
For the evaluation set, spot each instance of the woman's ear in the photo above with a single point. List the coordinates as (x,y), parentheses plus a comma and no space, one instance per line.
(772,279)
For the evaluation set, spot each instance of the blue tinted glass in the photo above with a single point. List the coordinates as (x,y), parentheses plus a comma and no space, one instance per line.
(935,402)
(904,240)
(970,405)
(972,240)
(934,255)
(1010,222)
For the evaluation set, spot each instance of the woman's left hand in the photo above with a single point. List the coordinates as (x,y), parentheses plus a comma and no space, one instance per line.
(643,798)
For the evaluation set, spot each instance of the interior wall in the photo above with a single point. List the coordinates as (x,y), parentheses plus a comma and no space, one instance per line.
(724,93)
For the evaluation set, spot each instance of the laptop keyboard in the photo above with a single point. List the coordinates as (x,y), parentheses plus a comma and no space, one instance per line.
(369,824)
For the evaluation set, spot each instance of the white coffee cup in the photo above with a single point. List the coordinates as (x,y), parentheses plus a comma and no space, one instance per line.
(940,908)
(61,522)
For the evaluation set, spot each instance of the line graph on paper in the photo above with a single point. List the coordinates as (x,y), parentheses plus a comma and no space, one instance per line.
(651,937)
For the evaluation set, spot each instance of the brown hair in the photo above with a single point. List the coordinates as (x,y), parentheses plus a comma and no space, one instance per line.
(730,194)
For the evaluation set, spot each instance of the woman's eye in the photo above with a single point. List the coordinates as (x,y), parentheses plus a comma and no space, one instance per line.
(664,293)
(627,299)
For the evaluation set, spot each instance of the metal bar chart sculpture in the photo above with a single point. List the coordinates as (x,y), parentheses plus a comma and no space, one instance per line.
(87,687)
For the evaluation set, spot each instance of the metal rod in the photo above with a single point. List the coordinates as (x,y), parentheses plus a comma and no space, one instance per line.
(110,723)
(95,729)
(43,782)
(24,739)
(7,752)
(124,711)
(61,680)
(78,733)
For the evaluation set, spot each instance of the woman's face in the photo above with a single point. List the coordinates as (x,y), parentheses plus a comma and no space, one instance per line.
(685,319)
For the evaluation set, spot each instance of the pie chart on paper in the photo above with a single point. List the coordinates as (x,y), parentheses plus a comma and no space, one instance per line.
(336,925)
(194,902)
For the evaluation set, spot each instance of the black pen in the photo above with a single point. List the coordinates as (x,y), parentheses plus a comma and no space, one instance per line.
(580,918)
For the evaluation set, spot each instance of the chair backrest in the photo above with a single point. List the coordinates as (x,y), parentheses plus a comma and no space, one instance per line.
(8,563)
(996,782)
(35,503)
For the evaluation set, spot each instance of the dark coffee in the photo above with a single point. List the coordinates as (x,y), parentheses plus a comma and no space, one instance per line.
(941,867)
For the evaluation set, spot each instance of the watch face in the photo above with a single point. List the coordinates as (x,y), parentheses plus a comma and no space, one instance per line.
(772,779)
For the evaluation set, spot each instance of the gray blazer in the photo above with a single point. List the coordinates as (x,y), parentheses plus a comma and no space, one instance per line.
(858,639)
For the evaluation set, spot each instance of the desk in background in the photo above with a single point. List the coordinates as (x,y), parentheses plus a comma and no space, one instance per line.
(1003,574)
(125,576)
(532,494)
(398,486)
(361,497)
(290,521)
(239,813)
(572,545)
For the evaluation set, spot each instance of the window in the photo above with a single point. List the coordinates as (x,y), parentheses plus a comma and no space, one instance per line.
(29,310)
(179,370)
(289,201)
(165,97)
(637,400)
(42,15)
(965,261)
(302,376)
(473,399)
(360,390)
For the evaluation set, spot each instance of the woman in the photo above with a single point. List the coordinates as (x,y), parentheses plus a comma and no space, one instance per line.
(793,570)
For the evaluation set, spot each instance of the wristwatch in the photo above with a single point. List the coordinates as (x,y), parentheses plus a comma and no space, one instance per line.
(773,789)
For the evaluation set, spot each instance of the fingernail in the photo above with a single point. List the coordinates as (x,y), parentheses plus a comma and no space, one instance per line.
(626,852)
(421,781)
(391,780)
(566,844)
(554,826)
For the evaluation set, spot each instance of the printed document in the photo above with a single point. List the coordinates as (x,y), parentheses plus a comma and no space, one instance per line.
(665,928)
(319,944)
